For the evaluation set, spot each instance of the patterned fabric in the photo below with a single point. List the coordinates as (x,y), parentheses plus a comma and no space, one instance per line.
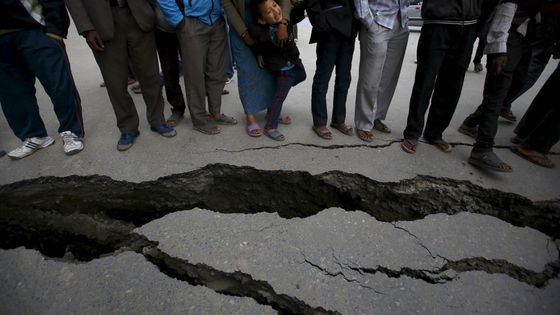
(382,12)
(496,40)
(35,10)
(256,86)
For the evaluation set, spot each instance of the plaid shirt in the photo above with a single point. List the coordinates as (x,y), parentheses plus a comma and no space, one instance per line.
(382,12)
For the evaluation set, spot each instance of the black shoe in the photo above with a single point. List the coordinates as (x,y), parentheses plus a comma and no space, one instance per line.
(380,126)
(509,116)
(468,131)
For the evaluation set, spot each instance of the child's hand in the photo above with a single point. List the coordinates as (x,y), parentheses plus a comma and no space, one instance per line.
(260,61)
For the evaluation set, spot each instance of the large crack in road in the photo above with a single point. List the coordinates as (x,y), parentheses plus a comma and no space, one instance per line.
(84,218)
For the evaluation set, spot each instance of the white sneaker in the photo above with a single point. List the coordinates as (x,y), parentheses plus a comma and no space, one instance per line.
(29,146)
(72,143)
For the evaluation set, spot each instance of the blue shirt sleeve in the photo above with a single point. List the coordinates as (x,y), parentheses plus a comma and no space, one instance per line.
(171,12)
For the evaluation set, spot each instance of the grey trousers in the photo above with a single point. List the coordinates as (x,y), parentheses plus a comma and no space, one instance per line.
(203,49)
(381,56)
(130,42)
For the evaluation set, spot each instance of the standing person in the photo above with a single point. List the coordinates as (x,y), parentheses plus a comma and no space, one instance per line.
(508,52)
(202,36)
(255,84)
(444,52)
(31,46)
(334,31)
(539,130)
(283,61)
(168,50)
(118,31)
(383,39)
(545,26)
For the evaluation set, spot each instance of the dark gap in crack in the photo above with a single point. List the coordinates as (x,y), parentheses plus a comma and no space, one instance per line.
(490,266)
(234,283)
(83,218)
(232,189)
(537,279)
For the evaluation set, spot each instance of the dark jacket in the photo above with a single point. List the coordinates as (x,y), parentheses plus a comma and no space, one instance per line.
(332,16)
(274,56)
(451,10)
(13,15)
(526,9)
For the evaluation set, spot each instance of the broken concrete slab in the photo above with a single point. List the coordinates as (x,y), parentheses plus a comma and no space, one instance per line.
(373,265)
(122,284)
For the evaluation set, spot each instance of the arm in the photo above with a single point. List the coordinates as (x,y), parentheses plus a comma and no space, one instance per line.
(298,13)
(363,13)
(234,17)
(260,36)
(84,25)
(496,40)
(56,18)
(80,16)
(236,21)
(171,12)
(496,47)
(282,33)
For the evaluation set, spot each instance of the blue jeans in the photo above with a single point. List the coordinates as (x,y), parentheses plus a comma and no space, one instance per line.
(444,53)
(332,50)
(24,56)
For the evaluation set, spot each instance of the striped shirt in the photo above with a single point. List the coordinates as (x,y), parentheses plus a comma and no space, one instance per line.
(382,12)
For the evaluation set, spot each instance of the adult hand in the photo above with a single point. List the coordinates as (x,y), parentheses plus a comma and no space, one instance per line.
(248,39)
(94,40)
(282,34)
(496,63)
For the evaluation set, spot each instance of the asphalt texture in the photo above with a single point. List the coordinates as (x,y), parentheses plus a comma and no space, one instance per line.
(337,260)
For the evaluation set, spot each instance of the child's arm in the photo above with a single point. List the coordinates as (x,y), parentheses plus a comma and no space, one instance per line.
(259,34)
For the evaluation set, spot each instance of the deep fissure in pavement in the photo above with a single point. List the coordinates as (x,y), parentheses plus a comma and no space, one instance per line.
(82,218)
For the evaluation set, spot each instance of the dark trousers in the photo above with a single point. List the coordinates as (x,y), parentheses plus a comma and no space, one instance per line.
(203,49)
(540,55)
(496,88)
(169,52)
(332,51)
(24,56)
(284,82)
(540,126)
(132,44)
(444,53)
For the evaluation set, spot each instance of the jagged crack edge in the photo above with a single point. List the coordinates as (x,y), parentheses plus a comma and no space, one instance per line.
(234,284)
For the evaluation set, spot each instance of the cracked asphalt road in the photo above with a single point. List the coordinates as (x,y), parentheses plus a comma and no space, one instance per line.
(328,240)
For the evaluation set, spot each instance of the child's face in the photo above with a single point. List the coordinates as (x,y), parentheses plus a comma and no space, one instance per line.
(270,12)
